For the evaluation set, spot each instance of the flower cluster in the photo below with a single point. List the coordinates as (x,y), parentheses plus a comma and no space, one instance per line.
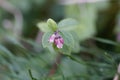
(56,39)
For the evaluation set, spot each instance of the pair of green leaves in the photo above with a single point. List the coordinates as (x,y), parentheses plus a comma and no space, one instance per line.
(64,26)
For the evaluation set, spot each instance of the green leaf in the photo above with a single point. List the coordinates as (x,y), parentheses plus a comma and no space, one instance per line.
(6,52)
(45,39)
(68,38)
(55,77)
(52,24)
(43,27)
(65,50)
(68,43)
(106,41)
(68,24)
(76,47)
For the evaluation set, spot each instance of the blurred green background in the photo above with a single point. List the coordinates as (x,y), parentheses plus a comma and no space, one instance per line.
(97,40)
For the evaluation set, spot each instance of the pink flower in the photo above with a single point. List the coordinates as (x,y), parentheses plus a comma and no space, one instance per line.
(51,39)
(56,39)
(59,42)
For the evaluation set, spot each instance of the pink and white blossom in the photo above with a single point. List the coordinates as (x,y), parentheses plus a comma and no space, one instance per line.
(59,42)
(56,39)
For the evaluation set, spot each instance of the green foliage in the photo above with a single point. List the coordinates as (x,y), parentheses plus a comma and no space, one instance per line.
(85,16)
(45,39)
(65,50)
(31,57)
(68,42)
(43,27)
(52,24)
(67,36)
(68,24)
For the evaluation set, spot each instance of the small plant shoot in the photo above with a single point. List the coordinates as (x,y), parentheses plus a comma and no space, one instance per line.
(58,36)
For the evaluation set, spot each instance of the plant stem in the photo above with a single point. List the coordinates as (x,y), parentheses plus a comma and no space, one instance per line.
(55,65)
(30,73)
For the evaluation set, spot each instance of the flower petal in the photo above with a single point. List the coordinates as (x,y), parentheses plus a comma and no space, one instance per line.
(52,37)
(58,42)
(62,40)
(59,45)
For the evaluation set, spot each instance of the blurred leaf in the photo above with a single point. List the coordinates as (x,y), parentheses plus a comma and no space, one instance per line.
(55,77)
(76,47)
(68,42)
(45,39)
(106,41)
(6,52)
(86,16)
(68,38)
(72,68)
(67,24)
(65,50)
(52,24)
(72,11)
(43,27)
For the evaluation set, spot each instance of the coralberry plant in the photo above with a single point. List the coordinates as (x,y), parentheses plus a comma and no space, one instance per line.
(58,35)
